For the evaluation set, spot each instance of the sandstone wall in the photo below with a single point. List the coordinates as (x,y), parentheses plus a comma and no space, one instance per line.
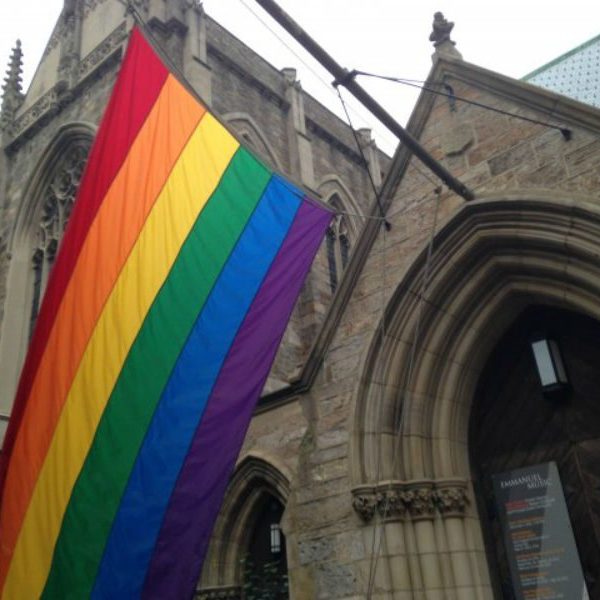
(319,435)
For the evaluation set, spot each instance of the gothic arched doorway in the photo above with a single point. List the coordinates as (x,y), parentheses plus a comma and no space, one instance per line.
(38,229)
(514,425)
(491,261)
(247,556)
(265,563)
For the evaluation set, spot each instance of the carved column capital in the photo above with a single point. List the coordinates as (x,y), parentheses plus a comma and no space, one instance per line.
(391,504)
(420,499)
(452,497)
(387,500)
(290,76)
(232,592)
(195,5)
(364,502)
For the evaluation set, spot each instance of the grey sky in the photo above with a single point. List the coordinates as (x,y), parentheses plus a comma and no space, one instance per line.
(384,36)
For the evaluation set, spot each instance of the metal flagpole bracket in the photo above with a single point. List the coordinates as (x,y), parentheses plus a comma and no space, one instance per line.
(347,79)
(348,76)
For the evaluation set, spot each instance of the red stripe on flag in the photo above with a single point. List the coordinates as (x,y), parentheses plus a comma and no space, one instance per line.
(121,124)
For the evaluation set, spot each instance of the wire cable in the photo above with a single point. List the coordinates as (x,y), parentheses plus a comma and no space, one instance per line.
(381,515)
(364,160)
(157,44)
(327,84)
(566,132)
(377,526)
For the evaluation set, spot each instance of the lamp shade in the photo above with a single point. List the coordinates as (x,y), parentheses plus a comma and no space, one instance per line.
(549,364)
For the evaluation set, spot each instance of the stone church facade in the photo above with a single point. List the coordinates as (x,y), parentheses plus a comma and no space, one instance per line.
(405,379)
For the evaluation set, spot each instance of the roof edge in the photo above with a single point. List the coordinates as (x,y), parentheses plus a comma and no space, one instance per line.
(555,106)
(560,58)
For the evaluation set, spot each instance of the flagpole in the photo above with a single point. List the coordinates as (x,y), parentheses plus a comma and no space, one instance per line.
(347,79)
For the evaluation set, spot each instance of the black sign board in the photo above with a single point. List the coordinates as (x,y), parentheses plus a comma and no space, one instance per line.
(539,540)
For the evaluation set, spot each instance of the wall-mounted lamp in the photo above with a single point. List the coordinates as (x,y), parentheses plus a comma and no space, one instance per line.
(550,365)
(275,538)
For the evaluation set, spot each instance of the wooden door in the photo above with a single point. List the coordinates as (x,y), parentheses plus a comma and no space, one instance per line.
(513,425)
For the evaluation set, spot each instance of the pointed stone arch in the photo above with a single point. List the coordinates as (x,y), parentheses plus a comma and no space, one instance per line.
(67,137)
(34,239)
(250,132)
(254,478)
(331,188)
(344,229)
(492,259)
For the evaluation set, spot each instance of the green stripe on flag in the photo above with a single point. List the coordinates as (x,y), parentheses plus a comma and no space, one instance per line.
(97,493)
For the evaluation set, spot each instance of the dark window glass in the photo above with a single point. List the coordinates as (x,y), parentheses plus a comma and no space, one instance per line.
(265,568)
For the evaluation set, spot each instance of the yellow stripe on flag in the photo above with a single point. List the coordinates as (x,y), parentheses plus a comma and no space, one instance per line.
(186,192)
(108,243)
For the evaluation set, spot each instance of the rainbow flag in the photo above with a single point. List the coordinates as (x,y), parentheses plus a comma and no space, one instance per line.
(182,261)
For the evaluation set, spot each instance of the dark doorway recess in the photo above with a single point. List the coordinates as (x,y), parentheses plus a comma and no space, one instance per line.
(514,425)
(265,568)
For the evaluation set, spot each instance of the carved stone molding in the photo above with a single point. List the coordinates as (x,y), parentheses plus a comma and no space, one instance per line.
(90,5)
(233,592)
(56,98)
(57,34)
(364,502)
(196,5)
(417,500)
(388,500)
(166,28)
(45,107)
(391,503)
(452,497)
(103,50)
(420,499)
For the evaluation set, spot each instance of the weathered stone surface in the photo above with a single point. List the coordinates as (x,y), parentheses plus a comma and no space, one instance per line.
(514,157)
(457,140)
(314,551)
(316,439)
(334,580)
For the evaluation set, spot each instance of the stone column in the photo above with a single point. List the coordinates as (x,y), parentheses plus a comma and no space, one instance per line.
(195,62)
(10,353)
(301,156)
(393,512)
(430,548)
(369,148)
(452,503)
(70,46)
(12,95)
(15,331)
(420,500)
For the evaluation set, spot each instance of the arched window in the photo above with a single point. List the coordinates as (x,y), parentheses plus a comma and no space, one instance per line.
(57,205)
(338,246)
(42,216)
(514,425)
(247,556)
(252,136)
(248,140)
(265,564)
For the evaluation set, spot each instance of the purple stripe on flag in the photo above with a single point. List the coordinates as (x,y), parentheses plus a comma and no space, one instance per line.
(198,493)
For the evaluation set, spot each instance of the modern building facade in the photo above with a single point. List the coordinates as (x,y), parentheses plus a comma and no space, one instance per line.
(574,74)
(406,378)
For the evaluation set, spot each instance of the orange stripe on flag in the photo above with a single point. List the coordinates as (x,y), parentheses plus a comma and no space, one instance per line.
(110,239)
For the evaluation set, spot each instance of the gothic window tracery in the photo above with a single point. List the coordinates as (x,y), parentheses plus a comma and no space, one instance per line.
(248,140)
(55,212)
(338,246)
(265,565)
